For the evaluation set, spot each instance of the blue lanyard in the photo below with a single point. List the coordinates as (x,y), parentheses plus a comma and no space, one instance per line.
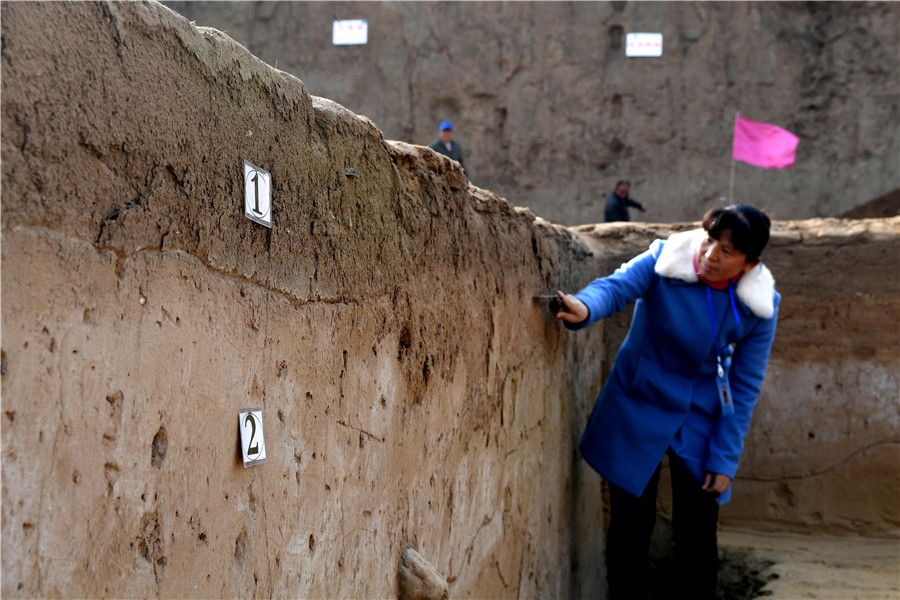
(712,319)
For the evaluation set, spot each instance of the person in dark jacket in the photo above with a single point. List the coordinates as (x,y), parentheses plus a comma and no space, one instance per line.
(684,384)
(448,147)
(617,203)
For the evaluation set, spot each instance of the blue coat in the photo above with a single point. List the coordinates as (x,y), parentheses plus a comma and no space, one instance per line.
(661,392)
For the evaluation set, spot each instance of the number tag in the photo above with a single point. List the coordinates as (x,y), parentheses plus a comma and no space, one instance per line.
(257,194)
(253,443)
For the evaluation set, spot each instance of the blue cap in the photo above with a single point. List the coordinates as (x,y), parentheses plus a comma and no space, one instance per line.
(445,125)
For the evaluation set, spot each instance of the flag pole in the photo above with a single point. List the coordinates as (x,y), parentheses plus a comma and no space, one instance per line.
(731,183)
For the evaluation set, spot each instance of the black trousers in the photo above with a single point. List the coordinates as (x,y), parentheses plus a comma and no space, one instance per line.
(694,518)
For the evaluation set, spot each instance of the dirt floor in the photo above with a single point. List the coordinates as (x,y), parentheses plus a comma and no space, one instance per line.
(785,566)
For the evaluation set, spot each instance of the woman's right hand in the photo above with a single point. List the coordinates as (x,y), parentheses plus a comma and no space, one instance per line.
(573,310)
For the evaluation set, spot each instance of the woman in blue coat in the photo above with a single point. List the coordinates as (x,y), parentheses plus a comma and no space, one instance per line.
(684,383)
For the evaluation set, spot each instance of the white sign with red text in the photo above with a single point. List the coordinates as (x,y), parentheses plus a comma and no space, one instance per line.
(643,44)
(346,33)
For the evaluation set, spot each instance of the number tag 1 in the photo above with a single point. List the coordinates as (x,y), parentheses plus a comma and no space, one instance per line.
(253,443)
(257,194)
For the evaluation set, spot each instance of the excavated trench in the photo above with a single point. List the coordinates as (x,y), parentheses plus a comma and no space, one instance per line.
(412,390)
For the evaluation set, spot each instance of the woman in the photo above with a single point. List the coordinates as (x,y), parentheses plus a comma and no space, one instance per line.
(684,384)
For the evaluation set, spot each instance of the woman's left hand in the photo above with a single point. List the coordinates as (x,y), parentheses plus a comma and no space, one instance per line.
(716,483)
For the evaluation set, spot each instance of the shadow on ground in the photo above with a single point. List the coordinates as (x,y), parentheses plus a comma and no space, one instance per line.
(741,576)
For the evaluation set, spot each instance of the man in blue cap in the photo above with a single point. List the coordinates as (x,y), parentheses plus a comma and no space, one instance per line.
(448,147)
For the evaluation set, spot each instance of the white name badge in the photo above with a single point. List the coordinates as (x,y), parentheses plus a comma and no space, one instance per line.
(725,393)
(253,442)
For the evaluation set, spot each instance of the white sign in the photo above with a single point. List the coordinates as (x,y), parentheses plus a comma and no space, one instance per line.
(257,194)
(354,31)
(643,44)
(253,443)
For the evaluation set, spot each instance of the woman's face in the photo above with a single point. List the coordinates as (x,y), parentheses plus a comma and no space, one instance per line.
(719,260)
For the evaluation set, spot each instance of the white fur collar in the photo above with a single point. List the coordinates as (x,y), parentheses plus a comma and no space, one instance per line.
(756,288)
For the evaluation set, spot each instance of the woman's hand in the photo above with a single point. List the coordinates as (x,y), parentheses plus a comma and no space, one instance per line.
(716,483)
(573,310)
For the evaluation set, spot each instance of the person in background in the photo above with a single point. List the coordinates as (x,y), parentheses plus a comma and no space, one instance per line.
(617,203)
(684,384)
(448,147)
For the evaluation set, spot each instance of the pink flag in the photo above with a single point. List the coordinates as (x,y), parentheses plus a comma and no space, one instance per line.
(763,145)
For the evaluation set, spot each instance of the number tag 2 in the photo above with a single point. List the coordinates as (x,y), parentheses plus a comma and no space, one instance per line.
(253,443)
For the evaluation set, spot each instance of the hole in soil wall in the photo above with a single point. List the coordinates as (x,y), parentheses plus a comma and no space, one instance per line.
(158,449)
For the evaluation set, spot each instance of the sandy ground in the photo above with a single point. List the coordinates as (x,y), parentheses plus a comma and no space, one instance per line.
(807,566)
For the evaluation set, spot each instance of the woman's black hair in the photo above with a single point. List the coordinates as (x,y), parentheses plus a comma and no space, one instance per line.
(622,181)
(749,227)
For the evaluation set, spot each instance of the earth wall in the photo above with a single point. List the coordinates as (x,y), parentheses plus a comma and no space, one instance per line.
(551,112)
(413,390)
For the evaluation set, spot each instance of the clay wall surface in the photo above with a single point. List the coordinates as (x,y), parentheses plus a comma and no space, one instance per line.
(551,112)
(413,390)
(823,452)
